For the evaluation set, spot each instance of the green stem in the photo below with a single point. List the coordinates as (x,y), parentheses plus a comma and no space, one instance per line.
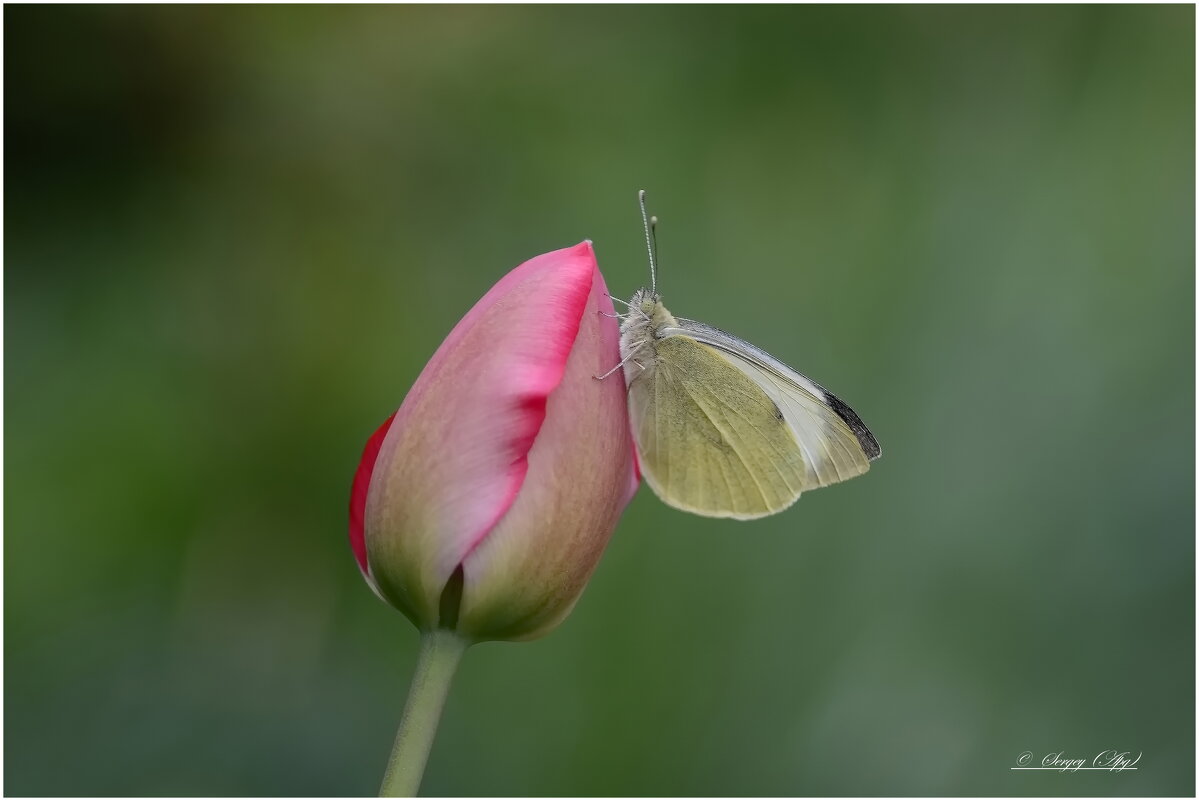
(440,652)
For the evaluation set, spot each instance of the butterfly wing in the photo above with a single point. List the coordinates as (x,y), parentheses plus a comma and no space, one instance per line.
(710,440)
(836,445)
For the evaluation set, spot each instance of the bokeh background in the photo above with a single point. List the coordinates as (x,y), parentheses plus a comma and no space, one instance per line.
(233,236)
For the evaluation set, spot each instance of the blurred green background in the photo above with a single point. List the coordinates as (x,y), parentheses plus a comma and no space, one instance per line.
(235,234)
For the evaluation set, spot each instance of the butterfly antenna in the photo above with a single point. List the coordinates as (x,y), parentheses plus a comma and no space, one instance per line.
(650,244)
(653,237)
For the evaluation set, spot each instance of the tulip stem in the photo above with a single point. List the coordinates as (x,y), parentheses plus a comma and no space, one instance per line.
(440,652)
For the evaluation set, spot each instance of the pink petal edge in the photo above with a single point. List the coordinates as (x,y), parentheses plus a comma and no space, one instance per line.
(362,482)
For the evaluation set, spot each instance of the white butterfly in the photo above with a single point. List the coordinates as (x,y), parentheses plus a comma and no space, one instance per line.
(722,428)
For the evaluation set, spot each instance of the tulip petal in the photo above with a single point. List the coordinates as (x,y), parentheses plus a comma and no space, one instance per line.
(526,575)
(455,457)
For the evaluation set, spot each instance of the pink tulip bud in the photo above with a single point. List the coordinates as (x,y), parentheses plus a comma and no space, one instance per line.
(484,503)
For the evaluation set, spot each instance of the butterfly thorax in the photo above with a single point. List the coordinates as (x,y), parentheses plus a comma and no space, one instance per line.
(641,330)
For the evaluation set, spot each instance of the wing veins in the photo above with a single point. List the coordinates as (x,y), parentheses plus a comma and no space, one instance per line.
(736,450)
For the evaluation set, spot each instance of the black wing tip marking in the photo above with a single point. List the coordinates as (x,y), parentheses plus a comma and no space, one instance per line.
(869,444)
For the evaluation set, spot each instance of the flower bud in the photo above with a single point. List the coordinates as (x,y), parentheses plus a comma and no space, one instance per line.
(484,503)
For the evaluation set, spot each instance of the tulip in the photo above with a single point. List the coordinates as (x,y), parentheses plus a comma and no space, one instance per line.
(482,506)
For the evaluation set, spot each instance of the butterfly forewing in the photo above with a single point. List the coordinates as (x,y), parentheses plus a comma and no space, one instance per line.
(835,443)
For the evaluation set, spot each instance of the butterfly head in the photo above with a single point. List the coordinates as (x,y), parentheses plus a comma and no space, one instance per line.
(645,301)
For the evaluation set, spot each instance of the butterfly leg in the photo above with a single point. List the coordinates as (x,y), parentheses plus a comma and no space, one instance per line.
(629,306)
(618,300)
(632,351)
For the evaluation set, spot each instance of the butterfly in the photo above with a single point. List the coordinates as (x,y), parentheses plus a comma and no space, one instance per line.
(722,428)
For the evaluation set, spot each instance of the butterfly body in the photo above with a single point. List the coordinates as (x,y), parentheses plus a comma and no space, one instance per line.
(638,332)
